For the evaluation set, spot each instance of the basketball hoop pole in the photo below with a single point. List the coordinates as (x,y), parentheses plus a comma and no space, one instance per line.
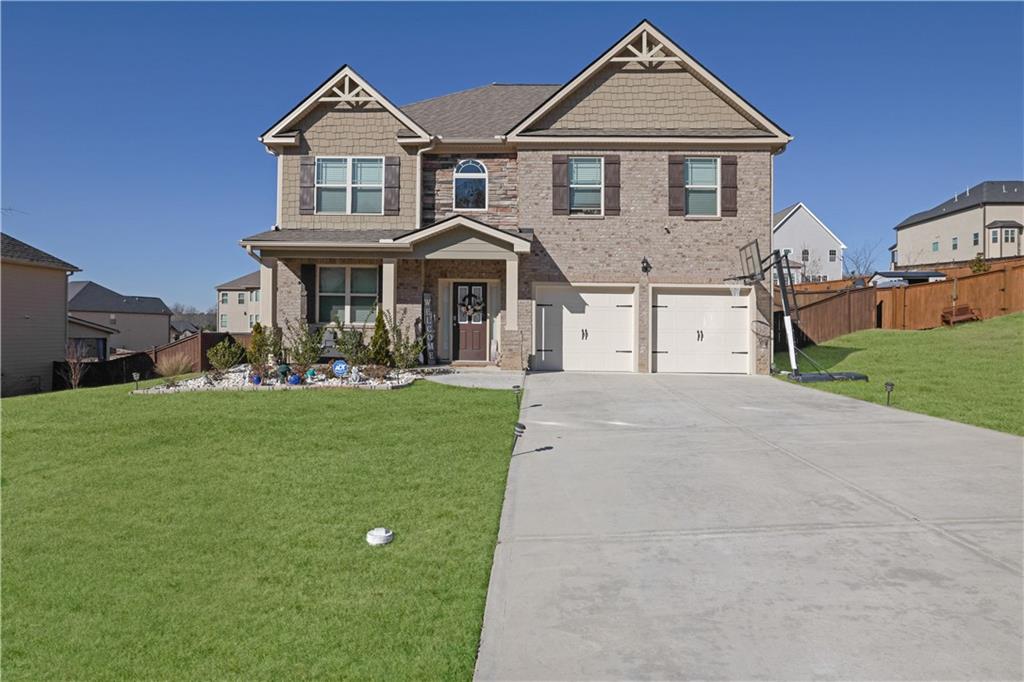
(787,320)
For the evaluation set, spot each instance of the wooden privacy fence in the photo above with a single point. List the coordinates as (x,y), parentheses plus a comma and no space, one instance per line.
(194,348)
(841,313)
(990,294)
(107,372)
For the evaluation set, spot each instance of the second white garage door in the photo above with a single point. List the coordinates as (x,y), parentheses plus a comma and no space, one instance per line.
(584,329)
(706,331)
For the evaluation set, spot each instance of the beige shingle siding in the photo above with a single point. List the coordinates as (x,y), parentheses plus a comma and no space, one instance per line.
(341,131)
(628,96)
(34,314)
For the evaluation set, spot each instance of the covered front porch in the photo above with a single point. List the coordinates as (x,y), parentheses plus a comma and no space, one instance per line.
(455,282)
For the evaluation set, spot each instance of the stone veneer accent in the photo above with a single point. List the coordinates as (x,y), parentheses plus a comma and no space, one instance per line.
(627,95)
(341,131)
(502,188)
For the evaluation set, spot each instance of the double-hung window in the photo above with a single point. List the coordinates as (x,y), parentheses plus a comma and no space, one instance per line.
(586,185)
(1010,235)
(241,297)
(995,236)
(223,321)
(956,243)
(223,297)
(350,185)
(702,177)
(831,255)
(805,255)
(975,239)
(346,294)
(935,246)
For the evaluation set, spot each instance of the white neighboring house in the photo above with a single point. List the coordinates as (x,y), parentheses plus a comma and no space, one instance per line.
(238,303)
(809,243)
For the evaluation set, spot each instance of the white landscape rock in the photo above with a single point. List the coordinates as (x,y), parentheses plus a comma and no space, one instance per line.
(238,379)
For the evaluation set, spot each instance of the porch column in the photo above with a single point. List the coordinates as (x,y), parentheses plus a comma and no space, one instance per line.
(389,278)
(268,291)
(512,293)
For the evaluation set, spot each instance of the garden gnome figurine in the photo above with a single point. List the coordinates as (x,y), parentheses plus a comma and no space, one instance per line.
(283,370)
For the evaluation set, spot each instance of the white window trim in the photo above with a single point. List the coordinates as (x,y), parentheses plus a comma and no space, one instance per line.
(349,185)
(224,297)
(570,185)
(995,236)
(1009,235)
(955,244)
(348,294)
(975,239)
(241,295)
(833,255)
(717,187)
(456,176)
(223,320)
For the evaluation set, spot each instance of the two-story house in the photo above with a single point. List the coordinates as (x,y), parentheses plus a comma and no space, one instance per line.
(987,219)
(238,303)
(813,249)
(585,226)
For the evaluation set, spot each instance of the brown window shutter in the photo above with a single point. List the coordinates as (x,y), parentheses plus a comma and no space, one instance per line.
(676,185)
(729,192)
(307,273)
(307,170)
(611,184)
(392,168)
(560,184)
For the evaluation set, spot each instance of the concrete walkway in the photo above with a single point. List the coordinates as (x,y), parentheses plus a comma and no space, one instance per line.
(479,377)
(684,527)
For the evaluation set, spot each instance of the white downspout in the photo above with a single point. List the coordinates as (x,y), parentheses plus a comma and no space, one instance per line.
(434,139)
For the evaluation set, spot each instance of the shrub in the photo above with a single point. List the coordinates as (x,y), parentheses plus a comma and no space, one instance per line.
(405,349)
(304,346)
(170,366)
(376,372)
(352,345)
(978,264)
(261,346)
(225,355)
(380,342)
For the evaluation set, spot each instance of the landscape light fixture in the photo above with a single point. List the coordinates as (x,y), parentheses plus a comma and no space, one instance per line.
(645,265)
(135,376)
(888,392)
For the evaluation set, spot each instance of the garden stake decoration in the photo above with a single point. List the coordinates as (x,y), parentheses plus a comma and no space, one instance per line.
(135,376)
(888,392)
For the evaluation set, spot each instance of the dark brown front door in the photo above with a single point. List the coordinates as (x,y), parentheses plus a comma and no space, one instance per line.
(470,302)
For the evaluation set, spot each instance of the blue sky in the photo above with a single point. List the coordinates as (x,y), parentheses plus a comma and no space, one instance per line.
(129,129)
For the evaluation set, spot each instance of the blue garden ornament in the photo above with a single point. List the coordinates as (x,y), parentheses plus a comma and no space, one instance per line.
(294,379)
(339,368)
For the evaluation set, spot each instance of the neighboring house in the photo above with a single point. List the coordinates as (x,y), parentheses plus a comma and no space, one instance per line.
(808,241)
(92,339)
(33,299)
(987,219)
(238,303)
(182,328)
(142,322)
(584,226)
(902,278)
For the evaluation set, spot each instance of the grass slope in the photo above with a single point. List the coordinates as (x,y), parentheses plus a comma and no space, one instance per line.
(221,535)
(971,373)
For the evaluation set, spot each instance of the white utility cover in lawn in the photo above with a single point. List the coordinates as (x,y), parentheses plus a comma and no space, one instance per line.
(585,329)
(706,331)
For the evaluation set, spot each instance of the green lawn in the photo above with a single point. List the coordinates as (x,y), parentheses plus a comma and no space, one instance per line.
(221,535)
(971,373)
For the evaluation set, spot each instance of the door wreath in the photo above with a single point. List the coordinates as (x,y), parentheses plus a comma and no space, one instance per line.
(470,305)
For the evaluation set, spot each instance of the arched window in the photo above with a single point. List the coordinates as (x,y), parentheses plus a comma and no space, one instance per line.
(470,185)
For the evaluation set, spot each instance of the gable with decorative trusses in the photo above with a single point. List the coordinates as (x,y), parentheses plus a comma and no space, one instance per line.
(345,91)
(645,86)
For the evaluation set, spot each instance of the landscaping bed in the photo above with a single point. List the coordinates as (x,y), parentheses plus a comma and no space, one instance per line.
(972,373)
(222,534)
(240,378)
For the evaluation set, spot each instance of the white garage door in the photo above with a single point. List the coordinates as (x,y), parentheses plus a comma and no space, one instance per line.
(701,332)
(584,328)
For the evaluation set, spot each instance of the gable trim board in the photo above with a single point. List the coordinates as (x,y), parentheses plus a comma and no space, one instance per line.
(519,244)
(778,135)
(796,208)
(278,133)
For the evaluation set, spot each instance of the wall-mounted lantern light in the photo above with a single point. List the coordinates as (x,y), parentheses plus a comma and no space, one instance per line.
(645,266)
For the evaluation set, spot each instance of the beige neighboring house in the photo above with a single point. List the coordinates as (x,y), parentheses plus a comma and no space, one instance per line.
(987,219)
(33,298)
(588,225)
(141,322)
(238,303)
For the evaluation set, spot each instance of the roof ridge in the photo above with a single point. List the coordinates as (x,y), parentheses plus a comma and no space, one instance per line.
(448,94)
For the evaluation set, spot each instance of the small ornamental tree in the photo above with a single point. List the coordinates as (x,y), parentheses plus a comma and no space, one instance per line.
(405,347)
(259,350)
(225,355)
(380,342)
(978,264)
(304,346)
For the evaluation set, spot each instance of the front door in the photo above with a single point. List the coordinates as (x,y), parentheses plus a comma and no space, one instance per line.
(470,319)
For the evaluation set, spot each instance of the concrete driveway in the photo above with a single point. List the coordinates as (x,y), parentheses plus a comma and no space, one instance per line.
(681,527)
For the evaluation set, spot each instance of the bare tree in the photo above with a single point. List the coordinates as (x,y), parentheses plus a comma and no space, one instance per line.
(75,365)
(861,261)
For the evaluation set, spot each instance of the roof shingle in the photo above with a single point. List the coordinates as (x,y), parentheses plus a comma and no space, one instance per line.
(988,192)
(482,112)
(15,249)
(250,281)
(89,296)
